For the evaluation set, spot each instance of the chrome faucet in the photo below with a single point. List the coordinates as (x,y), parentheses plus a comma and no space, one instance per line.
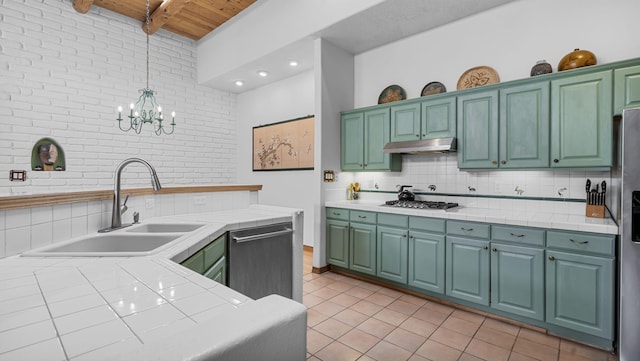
(117,209)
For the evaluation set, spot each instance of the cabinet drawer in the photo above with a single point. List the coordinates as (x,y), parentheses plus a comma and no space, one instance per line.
(362,217)
(394,220)
(427,224)
(531,236)
(214,251)
(582,242)
(468,229)
(338,213)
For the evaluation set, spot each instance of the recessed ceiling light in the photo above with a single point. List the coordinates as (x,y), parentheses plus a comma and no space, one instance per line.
(293,63)
(262,73)
(239,83)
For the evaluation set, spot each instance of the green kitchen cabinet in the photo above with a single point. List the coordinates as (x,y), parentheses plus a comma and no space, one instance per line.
(426,261)
(337,241)
(582,121)
(467,269)
(438,118)
(195,262)
(477,124)
(524,126)
(517,280)
(362,247)
(218,272)
(363,136)
(626,89)
(405,122)
(392,253)
(351,239)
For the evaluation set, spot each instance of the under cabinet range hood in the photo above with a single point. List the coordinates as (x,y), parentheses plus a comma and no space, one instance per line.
(425,146)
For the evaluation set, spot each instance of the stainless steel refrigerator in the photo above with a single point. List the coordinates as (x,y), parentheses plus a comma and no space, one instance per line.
(628,173)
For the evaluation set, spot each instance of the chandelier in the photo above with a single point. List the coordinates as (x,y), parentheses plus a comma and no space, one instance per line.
(146,109)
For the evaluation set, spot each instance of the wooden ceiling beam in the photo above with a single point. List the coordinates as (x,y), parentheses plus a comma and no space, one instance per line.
(82,6)
(162,14)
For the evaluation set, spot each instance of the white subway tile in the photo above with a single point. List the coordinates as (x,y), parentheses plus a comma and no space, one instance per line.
(41,235)
(79,226)
(16,218)
(61,230)
(61,211)
(79,209)
(17,240)
(41,215)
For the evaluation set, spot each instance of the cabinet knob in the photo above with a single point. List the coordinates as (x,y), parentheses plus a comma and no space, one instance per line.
(552,258)
(494,162)
(495,250)
(485,247)
(365,164)
(424,135)
(418,135)
(503,162)
(556,161)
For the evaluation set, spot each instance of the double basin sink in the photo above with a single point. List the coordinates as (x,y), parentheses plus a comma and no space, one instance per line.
(138,240)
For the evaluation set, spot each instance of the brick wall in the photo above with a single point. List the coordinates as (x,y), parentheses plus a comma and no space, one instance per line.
(63,74)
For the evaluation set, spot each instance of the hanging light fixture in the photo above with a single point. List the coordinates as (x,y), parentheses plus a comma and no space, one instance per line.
(146,109)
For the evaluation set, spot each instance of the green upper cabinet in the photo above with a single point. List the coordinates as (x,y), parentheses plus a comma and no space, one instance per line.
(582,120)
(405,122)
(524,126)
(363,136)
(627,89)
(438,118)
(477,120)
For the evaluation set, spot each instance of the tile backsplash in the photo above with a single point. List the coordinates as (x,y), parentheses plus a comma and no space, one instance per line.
(29,228)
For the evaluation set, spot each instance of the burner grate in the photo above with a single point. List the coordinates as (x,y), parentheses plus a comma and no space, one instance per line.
(421,204)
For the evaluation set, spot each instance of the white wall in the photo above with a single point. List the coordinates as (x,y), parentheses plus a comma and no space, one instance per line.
(509,38)
(287,99)
(63,75)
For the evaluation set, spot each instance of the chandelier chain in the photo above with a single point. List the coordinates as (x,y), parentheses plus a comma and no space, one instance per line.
(147,23)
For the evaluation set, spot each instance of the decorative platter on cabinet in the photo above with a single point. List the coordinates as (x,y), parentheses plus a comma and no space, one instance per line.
(435,87)
(478,76)
(392,93)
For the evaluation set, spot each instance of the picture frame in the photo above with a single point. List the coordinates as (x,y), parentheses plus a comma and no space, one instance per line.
(285,145)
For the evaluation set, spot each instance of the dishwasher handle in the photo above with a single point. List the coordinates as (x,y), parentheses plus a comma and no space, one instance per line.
(256,237)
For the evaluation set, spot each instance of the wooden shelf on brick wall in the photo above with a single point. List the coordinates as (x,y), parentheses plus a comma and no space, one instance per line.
(48,199)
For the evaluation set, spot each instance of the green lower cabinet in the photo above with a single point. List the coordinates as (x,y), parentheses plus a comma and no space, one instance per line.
(362,247)
(517,280)
(338,243)
(426,261)
(580,293)
(392,253)
(467,269)
(218,272)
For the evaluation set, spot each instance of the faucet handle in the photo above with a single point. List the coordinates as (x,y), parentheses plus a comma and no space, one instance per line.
(136,217)
(123,207)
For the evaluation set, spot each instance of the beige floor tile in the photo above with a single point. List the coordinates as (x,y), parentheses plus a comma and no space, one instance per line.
(432,350)
(438,307)
(413,299)
(535,350)
(426,314)
(380,299)
(370,286)
(328,308)
(391,293)
(359,340)
(566,356)
(451,338)
(415,357)
(402,306)
(375,327)
(419,327)
(345,300)
(537,337)
(468,357)
(336,351)
(461,326)
(385,351)
(360,292)
(314,317)
(312,287)
(332,328)
(487,351)
(313,358)
(316,341)
(520,357)
(310,300)
(351,317)
(366,308)
(568,347)
(366,358)
(326,293)
(390,316)
(502,326)
(495,337)
(405,339)
(469,316)
(340,286)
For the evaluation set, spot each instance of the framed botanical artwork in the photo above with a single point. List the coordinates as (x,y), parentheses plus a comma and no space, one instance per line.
(286,145)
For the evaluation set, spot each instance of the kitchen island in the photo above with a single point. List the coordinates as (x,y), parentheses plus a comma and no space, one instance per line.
(149,307)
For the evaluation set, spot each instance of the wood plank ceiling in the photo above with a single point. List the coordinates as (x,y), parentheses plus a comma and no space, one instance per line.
(191,18)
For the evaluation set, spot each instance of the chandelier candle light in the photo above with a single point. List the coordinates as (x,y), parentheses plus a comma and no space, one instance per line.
(146,109)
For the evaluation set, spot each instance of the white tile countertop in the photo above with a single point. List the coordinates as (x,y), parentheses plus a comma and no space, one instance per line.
(92,308)
(541,214)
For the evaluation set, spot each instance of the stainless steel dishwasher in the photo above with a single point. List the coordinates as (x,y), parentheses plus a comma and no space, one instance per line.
(260,260)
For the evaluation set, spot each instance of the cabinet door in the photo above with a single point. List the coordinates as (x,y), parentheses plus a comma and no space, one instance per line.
(467,269)
(426,261)
(352,141)
(438,118)
(477,115)
(338,243)
(517,280)
(362,248)
(580,293)
(626,89)
(376,135)
(582,121)
(405,122)
(524,126)
(218,272)
(392,254)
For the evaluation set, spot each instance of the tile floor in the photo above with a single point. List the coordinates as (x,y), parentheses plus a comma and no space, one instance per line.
(350,319)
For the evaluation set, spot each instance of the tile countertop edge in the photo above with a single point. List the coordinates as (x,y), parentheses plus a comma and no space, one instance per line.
(290,313)
(496,216)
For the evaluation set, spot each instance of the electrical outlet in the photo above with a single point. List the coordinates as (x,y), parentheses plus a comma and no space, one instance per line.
(149,203)
(199,200)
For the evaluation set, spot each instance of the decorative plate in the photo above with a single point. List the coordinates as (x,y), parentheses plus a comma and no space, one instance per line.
(434,87)
(478,76)
(392,93)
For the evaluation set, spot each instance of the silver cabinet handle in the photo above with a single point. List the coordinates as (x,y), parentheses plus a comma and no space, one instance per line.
(261,236)
(517,235)
(362,217)
(336,214)
(466,229)
(578,242)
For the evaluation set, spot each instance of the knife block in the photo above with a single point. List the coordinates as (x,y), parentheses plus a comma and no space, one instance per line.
(595,210)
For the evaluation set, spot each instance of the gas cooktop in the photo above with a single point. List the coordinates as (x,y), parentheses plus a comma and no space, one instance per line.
(421,204)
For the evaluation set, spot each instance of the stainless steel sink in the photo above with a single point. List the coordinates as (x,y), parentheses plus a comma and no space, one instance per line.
(107,245)
(165,228)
